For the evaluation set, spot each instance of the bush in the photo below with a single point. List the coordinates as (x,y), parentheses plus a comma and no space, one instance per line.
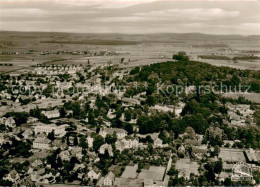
(19,117)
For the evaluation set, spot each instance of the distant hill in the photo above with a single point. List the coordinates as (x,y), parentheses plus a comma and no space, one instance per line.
(115,37)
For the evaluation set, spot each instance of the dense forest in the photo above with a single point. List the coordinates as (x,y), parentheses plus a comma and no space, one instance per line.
(185,72)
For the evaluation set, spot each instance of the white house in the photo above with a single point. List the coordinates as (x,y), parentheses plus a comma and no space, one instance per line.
(13,176)
(2,139)
(158,142)
(178,111)
(32,120)
(58,130)
(51,114)
(105,147)
(178,108)
(131,101)
(2,120)
(43,97)
(109,179)
(36,163)
(163,108)
(92,174)
(120,133)
(77,152)
(41,143)
(127,144)
(131,143)
(90,142)
(71,71)
(65,155)
(27,133)
(10,122)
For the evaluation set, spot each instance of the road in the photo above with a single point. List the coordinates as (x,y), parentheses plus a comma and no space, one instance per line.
(166,177)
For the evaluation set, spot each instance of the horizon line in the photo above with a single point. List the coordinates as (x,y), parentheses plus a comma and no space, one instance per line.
(64,32)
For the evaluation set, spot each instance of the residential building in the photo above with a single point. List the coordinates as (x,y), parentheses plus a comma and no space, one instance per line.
(32,120)
(58,130)
(90,142)
(93,174)
(65,155)
(120,133)
(10,122)
(109,179)
(51,114)
(105,147)
(2,120)
(178,109)
(77,152)
(41,143)
(163,108)
(13,176)
(252,155)
(158,142)
(127,144)
(213,132)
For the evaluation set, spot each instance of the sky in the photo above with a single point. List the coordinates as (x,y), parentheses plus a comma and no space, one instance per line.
(132,16)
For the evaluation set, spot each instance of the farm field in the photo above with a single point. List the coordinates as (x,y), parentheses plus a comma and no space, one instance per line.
(30,48)
(254,97)
(154,172)
(232,155)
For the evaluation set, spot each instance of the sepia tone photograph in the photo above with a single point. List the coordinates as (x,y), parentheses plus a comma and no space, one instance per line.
(138,93)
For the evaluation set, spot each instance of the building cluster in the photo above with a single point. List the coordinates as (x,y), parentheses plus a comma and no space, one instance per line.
(240,115)
(56,70)
(57,135)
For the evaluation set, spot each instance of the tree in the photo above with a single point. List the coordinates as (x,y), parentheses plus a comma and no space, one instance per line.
(163,136)
(150,149)
(19,117)
(5,183)
(172,171)
(3,171)
(51,135)
(181,56)
(257,117)
(117,123)
(209,174)
(182,53)
(190,133)
(135,71)
(83,143)
(197,122)
(75,141)
(91,117)
(128,115)
(143,124)
(62,112)
(216,150)
(227,182)
(218,166)
(22,149)
(177,181)
(98,141)
(110,139)
(148,139)
(76,109)
(59,162)
(151,100)
(235,81)
(129,128)
(68,140)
